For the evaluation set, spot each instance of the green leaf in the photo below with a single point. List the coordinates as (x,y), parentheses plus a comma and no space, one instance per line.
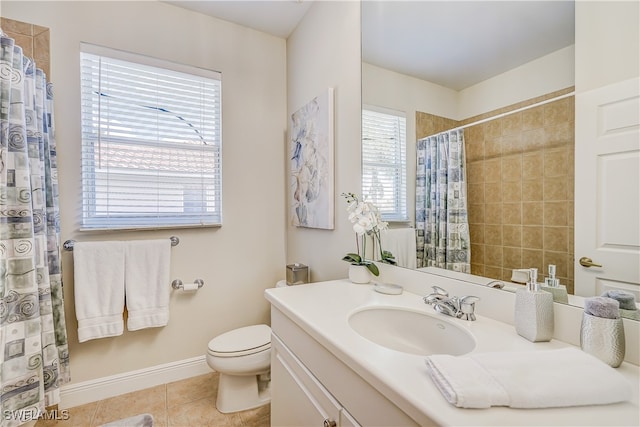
(353,258)
(373,269)
(388,258)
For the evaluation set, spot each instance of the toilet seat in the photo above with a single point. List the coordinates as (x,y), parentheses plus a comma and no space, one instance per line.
(241,342)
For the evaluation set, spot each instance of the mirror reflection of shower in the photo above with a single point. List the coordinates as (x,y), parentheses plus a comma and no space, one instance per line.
(519,167)
(442,227)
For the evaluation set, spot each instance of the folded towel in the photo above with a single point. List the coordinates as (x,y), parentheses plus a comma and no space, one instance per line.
(147,283)
(401,242)
(604,307)
(630,314)
(535,379)
(98,289)
(626,299)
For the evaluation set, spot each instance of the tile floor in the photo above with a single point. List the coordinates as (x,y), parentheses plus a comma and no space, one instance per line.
(185,403)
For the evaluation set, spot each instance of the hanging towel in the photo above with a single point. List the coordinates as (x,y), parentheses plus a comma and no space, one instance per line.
(147,283)
(99,289)
(535,379)
(401,242)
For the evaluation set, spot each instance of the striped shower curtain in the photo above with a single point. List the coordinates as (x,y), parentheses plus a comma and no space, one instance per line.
(442,226)
(34,357)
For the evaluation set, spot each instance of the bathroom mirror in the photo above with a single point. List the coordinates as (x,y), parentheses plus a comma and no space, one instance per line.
(420,40)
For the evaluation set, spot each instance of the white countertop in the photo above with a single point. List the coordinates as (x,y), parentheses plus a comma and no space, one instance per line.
(322,310)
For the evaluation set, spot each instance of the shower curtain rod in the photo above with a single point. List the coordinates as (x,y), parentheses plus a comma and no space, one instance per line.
(517,110)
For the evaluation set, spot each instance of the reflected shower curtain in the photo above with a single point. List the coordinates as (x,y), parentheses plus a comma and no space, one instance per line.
(442,226)
(34,357)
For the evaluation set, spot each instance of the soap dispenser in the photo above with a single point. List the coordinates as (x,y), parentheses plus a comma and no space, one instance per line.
(534,311)
(553,286)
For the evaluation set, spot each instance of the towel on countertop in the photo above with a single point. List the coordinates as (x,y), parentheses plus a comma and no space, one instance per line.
(401,242)
(147,283)
(533,379)
(98,289)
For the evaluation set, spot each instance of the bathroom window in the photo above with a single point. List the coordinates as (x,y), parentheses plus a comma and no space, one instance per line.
(384,159)
(151,142)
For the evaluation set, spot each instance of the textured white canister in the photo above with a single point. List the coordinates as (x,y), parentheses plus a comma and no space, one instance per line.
(603,338)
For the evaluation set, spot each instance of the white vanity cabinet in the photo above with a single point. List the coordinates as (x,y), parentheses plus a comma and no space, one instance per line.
(311,387)
(298,397)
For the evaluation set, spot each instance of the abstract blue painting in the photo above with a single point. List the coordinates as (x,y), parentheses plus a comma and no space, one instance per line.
(311,159)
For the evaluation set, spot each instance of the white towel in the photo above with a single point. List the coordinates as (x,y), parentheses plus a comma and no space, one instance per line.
(147,283)
(98,289)
(401,242)
(535,379)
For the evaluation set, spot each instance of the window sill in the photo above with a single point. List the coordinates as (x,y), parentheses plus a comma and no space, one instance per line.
(150,228)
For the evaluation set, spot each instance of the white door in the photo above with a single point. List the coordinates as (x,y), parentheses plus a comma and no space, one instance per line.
(607,189)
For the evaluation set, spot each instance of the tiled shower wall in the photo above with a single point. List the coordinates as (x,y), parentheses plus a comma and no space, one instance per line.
(520,173)
(33,39)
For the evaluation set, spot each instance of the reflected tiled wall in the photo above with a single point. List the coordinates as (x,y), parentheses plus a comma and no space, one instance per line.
(33,39)
(520,173)
(428,124)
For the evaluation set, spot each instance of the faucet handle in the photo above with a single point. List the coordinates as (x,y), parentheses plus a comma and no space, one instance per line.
(439,291)
(498,284)
(437,295)
(468,306)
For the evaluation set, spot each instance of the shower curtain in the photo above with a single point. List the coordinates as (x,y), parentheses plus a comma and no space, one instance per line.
(442,226)
(34,357)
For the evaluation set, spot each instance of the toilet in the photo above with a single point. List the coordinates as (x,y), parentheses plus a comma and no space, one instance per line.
(242,357)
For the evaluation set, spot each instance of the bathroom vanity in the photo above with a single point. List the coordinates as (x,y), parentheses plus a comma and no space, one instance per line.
(344,355)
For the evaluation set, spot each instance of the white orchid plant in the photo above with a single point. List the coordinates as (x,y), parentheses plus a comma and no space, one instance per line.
(366,221)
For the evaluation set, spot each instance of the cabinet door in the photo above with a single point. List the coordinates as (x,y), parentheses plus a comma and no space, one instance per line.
(297,398)
(346,420)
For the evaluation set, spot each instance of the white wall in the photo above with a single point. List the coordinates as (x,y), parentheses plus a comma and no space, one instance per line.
(541,76)
(237,261)
(607,42)
(324,51)
(547,74)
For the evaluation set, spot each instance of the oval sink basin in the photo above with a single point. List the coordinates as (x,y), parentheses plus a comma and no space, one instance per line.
(411,331)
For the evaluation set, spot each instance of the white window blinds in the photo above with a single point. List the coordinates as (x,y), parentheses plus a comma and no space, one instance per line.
(384,162)
(151,142)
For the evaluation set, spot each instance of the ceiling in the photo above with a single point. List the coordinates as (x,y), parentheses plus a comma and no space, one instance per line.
(451,43)
(277,17)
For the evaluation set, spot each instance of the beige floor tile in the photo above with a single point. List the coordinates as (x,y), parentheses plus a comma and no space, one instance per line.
(259,417)
(185,403)
(79,416)
(149,401)
(192,389)
(202,413)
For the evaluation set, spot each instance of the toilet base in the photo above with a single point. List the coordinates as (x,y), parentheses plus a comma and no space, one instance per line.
(242,392)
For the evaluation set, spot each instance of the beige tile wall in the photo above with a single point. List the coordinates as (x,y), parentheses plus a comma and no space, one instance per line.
(428,124)
(33,39)
(520,188)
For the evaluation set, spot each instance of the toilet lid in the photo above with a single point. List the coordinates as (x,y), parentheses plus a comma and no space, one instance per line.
(241,341)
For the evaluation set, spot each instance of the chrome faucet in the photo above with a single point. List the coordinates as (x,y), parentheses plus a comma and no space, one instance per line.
(461,308)
(438,294)
(498,284)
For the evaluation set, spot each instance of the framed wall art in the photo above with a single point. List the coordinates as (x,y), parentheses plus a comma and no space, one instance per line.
(312,164)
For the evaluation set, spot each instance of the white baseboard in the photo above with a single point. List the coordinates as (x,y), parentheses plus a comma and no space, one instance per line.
(102,388)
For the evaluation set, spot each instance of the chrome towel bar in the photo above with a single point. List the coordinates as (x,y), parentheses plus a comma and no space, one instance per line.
(68,245)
